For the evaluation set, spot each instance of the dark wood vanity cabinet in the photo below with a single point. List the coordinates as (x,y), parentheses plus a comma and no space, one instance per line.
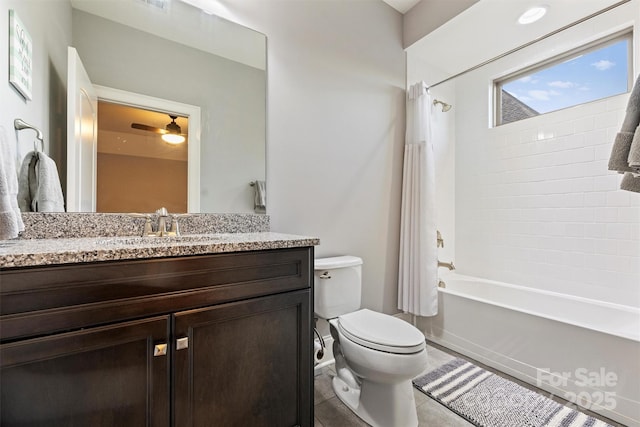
(212,340)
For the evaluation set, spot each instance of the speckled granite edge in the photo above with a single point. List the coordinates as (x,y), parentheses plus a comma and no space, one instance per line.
(34,252)
(72,225)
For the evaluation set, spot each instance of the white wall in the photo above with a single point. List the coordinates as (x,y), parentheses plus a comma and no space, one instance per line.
(49,24)
(336,129)
(535,204)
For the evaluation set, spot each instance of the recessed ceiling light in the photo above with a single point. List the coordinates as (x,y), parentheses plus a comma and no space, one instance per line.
(532,14)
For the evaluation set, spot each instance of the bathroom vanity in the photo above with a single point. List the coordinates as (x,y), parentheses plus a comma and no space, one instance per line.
(132,332)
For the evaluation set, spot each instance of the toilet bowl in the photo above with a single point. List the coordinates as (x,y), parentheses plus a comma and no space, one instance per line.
(376,355)
(382,365)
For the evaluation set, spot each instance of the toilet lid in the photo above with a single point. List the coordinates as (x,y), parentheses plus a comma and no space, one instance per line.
(381,332)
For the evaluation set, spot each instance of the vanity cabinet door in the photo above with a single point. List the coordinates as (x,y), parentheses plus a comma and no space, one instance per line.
(246,363)
(103,376)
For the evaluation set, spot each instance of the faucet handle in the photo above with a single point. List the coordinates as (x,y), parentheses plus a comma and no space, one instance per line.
(162,212)
(175,227)
(148,229)
(439,239)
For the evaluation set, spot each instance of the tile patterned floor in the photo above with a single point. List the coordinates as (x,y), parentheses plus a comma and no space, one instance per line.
(331,412)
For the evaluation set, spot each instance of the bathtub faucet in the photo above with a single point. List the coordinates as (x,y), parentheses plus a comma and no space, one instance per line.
(449,265)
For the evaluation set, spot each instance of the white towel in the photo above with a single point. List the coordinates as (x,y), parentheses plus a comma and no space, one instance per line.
(39,185)
(260,197)
(10,218)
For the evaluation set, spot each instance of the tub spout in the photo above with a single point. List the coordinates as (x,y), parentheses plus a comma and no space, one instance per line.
(449,265)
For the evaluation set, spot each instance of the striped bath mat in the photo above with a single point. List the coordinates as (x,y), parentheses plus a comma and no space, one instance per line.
(488,400)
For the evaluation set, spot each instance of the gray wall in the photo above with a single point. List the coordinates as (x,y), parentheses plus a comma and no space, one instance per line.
(231,97)
(336,114)
(336,129)
(49,24)
(428,15)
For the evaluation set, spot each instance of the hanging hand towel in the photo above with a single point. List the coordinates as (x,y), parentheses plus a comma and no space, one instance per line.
(39,185)
(260,197)
(10,218)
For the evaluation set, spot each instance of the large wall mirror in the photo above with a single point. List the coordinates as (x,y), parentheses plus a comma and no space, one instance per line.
(178,53)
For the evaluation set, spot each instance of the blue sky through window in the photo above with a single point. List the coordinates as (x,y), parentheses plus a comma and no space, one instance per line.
(594,75)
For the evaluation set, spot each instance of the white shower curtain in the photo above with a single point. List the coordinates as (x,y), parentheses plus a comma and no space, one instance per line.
(418,275)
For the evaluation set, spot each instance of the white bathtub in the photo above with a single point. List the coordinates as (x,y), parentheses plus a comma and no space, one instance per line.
(583,350)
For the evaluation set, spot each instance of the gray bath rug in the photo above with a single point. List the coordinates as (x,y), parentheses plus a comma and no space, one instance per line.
(488,400)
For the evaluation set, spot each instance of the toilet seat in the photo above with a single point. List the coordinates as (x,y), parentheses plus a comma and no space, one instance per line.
(381,332)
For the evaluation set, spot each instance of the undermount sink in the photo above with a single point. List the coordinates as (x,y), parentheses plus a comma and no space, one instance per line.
(141,241)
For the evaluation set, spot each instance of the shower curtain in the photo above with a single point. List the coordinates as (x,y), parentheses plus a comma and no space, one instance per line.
(418,269)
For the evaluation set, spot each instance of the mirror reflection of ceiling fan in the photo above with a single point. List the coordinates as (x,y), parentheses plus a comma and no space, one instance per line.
(172,133)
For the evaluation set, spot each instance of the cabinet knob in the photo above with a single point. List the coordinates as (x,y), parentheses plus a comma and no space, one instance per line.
(182,343)
(160,349)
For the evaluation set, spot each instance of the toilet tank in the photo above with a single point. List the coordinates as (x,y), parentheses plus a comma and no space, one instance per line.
(338,285)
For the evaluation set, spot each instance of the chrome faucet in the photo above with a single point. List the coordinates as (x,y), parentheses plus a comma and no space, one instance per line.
(161,229)
(163,214)
(448,265)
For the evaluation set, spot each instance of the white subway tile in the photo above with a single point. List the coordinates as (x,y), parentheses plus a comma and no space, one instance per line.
(595,198)
(584,124)
(620,231)
(573,156)
(618,103)
(602,151)
(621,264)
(595,230)
(596,261)
(610,182)
(608,119)
(629,248)
(607,247)
(581,184)
(528,135)
(596,137)
(606,214)
(574,214)
(574,230)
(634,199)
(618,198)
(629,214)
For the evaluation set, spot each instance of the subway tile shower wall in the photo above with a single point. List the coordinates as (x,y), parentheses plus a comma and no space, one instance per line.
(537,206)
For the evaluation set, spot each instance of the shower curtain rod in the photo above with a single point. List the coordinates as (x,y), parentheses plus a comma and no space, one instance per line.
(552,33)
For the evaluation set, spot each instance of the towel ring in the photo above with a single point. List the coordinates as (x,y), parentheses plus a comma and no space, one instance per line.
(35,146)
(20,124)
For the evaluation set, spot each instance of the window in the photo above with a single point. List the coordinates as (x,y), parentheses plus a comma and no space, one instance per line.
(592,72)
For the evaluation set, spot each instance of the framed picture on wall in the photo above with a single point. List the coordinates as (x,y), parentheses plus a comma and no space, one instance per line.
(20,56)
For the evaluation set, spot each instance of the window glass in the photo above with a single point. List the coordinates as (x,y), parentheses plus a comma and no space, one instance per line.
(588,74)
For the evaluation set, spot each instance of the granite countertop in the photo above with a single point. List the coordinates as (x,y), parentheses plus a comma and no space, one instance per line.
(34,252)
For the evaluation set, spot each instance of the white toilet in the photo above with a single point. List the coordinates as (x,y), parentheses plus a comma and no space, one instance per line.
(376,355)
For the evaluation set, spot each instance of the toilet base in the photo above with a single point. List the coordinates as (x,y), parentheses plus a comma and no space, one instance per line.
(379,405)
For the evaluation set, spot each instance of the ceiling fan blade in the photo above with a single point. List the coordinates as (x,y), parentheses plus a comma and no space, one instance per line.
(149,128)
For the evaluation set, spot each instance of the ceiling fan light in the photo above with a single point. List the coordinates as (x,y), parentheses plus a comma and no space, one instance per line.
(173,138)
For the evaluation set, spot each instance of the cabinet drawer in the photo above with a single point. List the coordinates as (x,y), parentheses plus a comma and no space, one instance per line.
(35,301)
